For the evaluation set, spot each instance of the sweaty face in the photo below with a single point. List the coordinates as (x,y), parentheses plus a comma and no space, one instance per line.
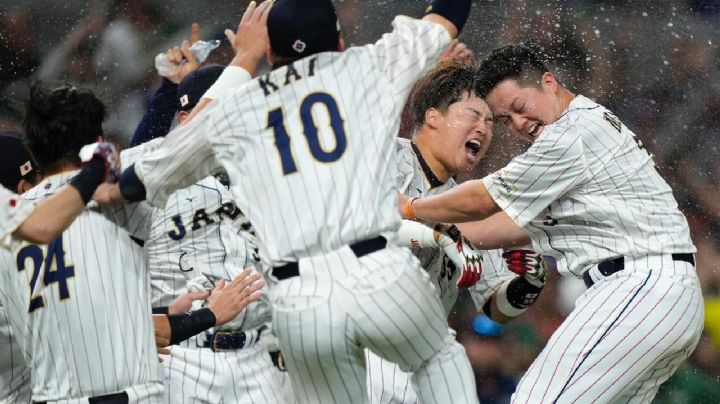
(523,110)
(464,134)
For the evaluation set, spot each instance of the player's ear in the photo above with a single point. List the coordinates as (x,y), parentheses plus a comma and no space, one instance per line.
(182,115)
(432,116)
(269,56)
(341,44)
(549,82)
(24,186)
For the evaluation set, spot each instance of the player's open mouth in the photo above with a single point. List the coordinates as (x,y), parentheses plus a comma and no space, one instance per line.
(472,148)
(534,130)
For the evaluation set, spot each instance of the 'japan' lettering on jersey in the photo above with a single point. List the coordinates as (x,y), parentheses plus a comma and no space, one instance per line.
(586,192)
(13,211)
(414,180)
(310,176)
(80,305)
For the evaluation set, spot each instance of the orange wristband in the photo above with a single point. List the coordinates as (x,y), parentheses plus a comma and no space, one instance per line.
(409,210)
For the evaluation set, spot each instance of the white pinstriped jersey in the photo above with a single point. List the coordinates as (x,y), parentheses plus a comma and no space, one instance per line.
(81,304)
(14,373)
(13,211)
(311,176)
(199,232)
(586,192)
(413,181)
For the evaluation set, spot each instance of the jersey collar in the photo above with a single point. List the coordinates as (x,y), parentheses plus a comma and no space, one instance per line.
(431,177)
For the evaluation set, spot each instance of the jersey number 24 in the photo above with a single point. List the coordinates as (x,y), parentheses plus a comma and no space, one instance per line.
(54,270)
(276,122)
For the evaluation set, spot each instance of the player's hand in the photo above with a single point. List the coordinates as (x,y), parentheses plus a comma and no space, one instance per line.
(107,152)
(183,58)
(465,258)
(162,351)
(526,263)
(108,194)
(251,41)
(183,304)
(460,53)
(226,302)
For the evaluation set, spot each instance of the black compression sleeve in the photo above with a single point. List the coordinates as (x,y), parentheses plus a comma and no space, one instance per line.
(131,188)
(88,179)
(456,11)
(160,310)
(184,326)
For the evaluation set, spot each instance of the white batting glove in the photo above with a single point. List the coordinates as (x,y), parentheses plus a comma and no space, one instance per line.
(465,258)
(106,151)
(526,263)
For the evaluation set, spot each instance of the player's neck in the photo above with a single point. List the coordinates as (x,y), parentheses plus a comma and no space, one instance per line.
(436,166)
(59,169)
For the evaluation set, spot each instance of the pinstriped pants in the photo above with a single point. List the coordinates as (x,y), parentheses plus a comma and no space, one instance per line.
(341,304)
(199,375)
(627,335)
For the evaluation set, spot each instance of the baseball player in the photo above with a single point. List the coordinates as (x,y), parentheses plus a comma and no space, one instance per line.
(314,140)
(43,222)
(199,238)
(81,303)
(453,130)
(588,194)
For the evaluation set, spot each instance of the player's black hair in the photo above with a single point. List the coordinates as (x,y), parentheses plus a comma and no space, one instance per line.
(509,62)
(59,121)
(441,87)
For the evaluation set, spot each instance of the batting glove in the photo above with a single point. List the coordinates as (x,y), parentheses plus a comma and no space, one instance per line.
(465,258)
(107,152)
(526,263)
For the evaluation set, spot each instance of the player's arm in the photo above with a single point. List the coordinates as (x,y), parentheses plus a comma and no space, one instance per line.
(497,231)
(451,14)
(250,43)
(224,304)
(52,216)
(514,296)
(467,202)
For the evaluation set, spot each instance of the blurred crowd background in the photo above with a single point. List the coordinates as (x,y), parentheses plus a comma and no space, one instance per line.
(655,64)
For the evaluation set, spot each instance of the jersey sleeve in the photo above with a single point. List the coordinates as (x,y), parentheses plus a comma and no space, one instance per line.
(184,157)
(494,274)
(408,51)
(551,167)
(14,211)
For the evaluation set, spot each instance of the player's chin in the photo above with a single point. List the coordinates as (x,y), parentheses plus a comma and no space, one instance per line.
(467,163)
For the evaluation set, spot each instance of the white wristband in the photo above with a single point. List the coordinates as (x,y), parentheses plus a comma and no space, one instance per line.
(414,234)
(503,304)
(231,77)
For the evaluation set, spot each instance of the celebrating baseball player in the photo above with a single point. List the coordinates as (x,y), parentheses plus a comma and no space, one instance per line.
(313,139)
(588,194)
(43,222)
(197,240)
(453,130)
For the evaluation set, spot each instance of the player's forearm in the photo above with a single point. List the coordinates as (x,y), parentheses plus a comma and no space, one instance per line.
(51,217)
(451,14)
(497,231)
(464,203)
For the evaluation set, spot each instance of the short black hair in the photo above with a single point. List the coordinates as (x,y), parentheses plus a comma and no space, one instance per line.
(441,87)
(59,121)
(509,62)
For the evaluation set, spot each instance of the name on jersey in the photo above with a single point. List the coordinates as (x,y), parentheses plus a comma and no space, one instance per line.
(202,218)
(505,186)
(279,78)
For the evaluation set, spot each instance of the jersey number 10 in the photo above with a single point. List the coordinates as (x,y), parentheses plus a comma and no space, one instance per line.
(276,122)
(54,270)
